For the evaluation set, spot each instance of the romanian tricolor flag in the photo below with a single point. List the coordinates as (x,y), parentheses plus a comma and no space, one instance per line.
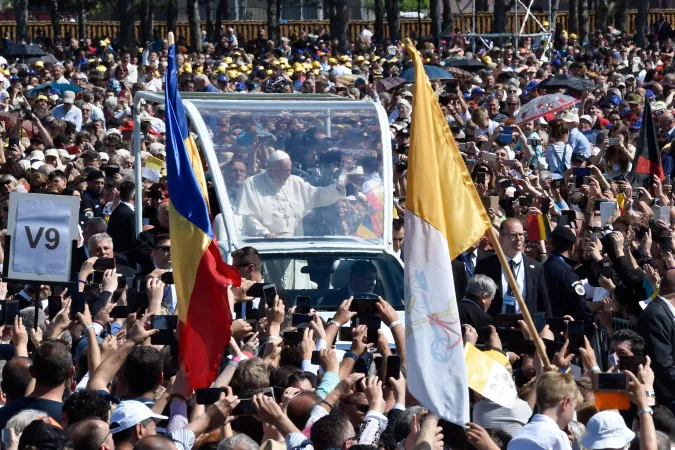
(538,228)
(201,276)
(444,217)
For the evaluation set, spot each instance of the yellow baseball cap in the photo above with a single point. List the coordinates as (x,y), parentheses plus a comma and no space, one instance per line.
(269,72)
(315,71)
(101,68)
(316,64)
(39,64)
(228,60)
(332,60)
(360,58)
(348,64)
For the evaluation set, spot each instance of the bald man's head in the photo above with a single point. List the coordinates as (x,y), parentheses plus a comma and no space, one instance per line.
(155,443)
(301,406)
(16,378)
(86,431)
(668,284)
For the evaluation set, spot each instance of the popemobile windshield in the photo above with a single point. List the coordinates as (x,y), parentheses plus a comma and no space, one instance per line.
(306,180)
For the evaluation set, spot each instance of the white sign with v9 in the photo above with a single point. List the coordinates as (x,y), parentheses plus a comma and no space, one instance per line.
(42,228)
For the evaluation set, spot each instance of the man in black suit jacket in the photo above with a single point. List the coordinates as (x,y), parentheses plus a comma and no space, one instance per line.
(140,256)
(464,267)
(529,274)
(657,326)
(473,307)
(122,223)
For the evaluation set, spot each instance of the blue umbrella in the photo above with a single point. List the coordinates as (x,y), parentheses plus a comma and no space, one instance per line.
(53,85)
(433,72)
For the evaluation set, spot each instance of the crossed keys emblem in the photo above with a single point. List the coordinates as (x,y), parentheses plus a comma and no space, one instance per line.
(420,311)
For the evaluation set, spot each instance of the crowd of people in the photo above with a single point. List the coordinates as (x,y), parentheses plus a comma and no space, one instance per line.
(600,286)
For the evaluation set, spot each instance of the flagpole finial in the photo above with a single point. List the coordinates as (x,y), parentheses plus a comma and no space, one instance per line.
(170,38)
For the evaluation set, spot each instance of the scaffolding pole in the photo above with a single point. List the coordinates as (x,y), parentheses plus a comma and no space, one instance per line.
(518,27)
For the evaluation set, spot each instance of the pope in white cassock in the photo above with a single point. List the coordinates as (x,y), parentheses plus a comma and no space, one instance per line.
(274,203)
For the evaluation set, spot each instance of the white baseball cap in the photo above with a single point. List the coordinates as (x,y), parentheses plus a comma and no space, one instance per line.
(587,118)
(124,153)
(130,413)
(36,155)
(51,152)
(69,97)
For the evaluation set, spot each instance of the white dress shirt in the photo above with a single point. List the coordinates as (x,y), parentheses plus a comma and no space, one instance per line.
(519,272)
(541,433)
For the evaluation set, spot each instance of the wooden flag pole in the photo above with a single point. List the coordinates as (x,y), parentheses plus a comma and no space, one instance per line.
(539,344)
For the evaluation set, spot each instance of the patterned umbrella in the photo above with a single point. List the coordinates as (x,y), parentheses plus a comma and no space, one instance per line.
(386,84)
(541,106)
(460,73)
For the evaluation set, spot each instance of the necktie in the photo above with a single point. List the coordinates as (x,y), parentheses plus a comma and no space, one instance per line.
(470,266)
(512,266)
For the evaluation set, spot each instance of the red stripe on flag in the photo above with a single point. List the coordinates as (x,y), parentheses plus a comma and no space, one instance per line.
(647,166)
(207,331)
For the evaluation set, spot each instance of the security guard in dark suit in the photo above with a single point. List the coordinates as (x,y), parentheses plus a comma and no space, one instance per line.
(90,205)
(566,291)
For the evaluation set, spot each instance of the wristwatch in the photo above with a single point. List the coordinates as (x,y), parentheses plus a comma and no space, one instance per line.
(645,411)
(332,322)
(651,394)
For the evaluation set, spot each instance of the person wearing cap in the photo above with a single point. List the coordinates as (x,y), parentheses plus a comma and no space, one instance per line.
(607,430)
(575,138)
(273,204)
(130,422)
(90,204)
(68,111)
(566,290)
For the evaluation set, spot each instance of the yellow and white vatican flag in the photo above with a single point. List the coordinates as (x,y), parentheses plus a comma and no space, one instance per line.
(444,217)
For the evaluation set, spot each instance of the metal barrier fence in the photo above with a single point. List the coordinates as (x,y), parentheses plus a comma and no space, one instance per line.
(250,29)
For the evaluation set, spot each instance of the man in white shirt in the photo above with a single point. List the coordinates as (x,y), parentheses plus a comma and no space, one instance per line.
(132,70)
(557,395)
(57,74)
(68,111)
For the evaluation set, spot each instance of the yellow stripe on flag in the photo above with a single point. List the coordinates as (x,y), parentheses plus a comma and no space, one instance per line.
(489,377)
(193,154)
(365,233)
(440,190)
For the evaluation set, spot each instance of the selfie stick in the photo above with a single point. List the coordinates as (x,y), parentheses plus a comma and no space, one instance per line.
(539,344)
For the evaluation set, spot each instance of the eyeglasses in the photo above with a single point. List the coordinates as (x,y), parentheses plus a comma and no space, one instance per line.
(514,235)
